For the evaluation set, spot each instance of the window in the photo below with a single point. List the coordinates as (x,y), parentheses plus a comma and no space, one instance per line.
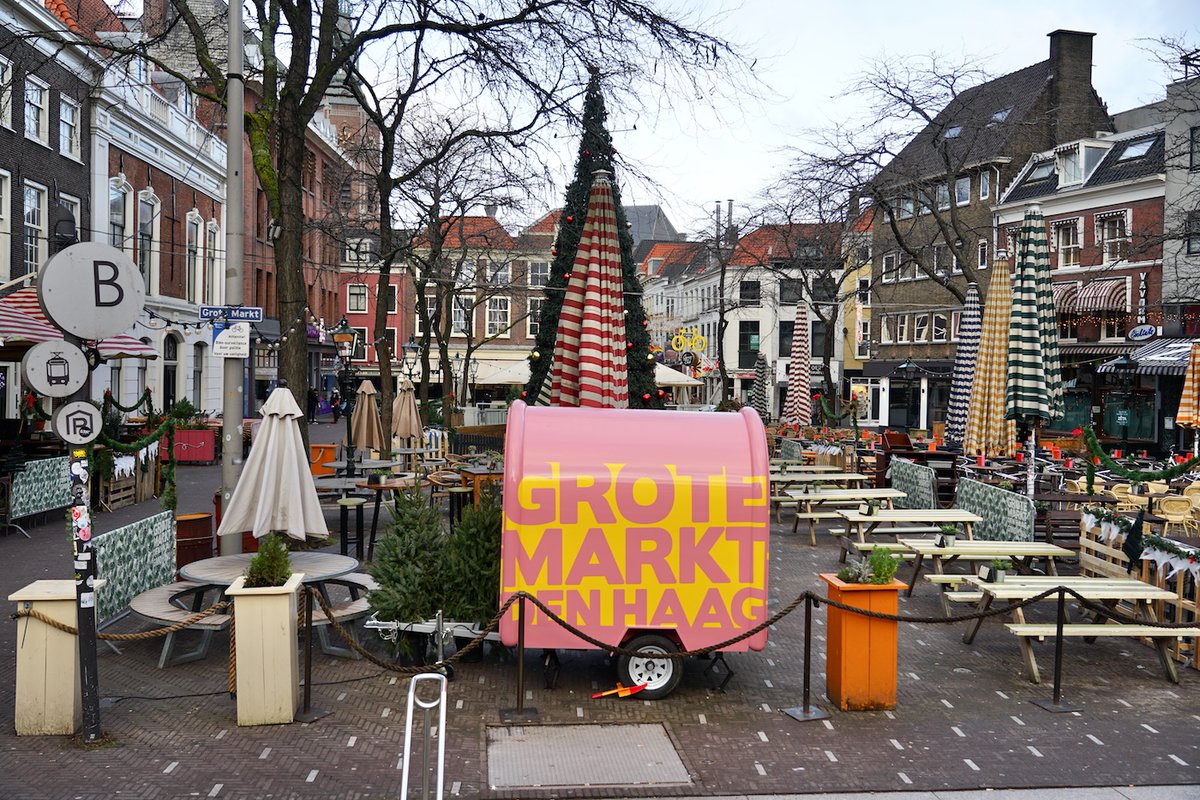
(430,312)
(1066,239)
(864,292)
(114,379)
(909,271)
(460,322)
(749,293)
(147,223)
(791,291)
(1110,325)
(360,345)
(1070,170)
(356,298)
(1114,242)
(1068,326)
(118,207)
(889,268)
(920,327)
(353,252)
(497,316)
(941,332)
(953,131)
(862,339)
(1136,150)
(539,273)
(37,98)
(786,329)
(943,259)
(955,323)
(535,315)
(748,343)
(1193,142)
(887,327)
(824,289)
(170,373)
(210,263)
(500,273)
(962,190)
(1000,116)
(390,300)
(389,336)
(1040,171)
(983,254)
(943,197)
(5,227)
(198,351)
(68,127)
(6,77)
(193,255)
(905,207)
(1193,233)
(902,328)
(985,184)
(35,226)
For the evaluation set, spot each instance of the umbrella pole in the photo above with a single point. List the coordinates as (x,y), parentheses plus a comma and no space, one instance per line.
(308,713)
(1031,468)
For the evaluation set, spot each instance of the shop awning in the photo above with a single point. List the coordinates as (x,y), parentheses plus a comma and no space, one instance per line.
(1065,297)
(499,372)
(1109,295)
(1164,357)
(1095,349)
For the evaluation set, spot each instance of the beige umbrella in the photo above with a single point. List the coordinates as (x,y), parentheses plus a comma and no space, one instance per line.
(275,492)
(1188,415)
(406,422)
(366,430)
(988,432)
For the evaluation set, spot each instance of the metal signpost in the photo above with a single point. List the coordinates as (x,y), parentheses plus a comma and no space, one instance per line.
(105,281)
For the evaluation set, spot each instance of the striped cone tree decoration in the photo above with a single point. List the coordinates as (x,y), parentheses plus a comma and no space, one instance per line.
(797,409)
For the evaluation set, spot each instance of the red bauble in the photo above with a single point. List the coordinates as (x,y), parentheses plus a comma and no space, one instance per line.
(523,393)
(646,396)
(570,217)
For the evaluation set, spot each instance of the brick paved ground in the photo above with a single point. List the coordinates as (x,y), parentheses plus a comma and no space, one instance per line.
(963,719)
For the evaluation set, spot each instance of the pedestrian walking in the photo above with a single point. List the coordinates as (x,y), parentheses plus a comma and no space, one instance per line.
(313,400)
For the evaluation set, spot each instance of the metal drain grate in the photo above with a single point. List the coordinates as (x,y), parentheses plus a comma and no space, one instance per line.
(582,755)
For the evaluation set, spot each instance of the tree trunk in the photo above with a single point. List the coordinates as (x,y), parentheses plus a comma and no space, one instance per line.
(290,284)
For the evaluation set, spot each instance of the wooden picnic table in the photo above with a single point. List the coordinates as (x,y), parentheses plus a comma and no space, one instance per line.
(475,477)
(810,500)
(866,524)
(791,467)
(1106,591)
(1021,554)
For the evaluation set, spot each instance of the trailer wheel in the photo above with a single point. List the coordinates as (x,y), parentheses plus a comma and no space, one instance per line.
(661,675)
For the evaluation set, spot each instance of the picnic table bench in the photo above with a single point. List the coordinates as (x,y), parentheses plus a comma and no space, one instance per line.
(813,501)
(173,603)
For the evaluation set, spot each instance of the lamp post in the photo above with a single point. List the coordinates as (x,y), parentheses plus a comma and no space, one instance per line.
(410,359)
(1126,367)
(473,369)
(346,338)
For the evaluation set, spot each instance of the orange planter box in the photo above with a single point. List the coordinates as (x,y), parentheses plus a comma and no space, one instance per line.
(860,657)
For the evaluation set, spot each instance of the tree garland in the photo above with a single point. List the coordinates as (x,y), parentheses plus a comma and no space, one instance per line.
(851,412)
(1133,475)
(1152,542)
(145,399)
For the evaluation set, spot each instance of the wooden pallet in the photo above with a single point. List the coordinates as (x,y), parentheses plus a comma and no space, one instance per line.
(118,492)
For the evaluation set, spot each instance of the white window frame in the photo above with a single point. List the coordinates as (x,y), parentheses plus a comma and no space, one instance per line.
(69,133)
(74,206)
(6,92)
(1111,248)
(535,275)
(862,340)
(42,133)
(863,292)
(1066,249)
(902,328)
(199,356)
(354,293)
(888,274)
(120,185)
(460,314)
(944,251)
(149,260)
(499,315)
(985,184)
(943,197)
(192,226)
(886,327)
(981,253)
(933,327)
(962,191)
(499,273)
(955,324)
(39,226)
(534,316)
(920,328)
(430,305)
(5,224)
(212,238)
(1111,323)
(906,208)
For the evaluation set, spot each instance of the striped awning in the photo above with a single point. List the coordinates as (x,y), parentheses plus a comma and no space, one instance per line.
(1164,357)
(1065,297)
(1095,349)
(120,346)
(17,327)
(1107,295)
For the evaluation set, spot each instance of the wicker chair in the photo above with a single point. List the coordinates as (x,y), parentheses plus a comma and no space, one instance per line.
(440,483)
(1176,511)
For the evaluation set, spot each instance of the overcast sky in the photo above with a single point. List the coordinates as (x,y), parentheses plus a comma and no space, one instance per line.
(809,51)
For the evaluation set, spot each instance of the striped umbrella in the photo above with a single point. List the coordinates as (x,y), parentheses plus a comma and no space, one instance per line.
(120,346)
(1188,415)
(797,409)
(760,391)
(965,357)
(17,327)
(987,429)
(1033,390)
(590,367)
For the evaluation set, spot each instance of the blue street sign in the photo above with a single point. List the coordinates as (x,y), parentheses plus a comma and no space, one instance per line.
(232,313)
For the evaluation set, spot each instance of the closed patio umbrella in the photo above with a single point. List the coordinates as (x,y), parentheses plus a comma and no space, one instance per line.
(275,492)
(590,367)
(25,301)
(406,421)
(965,359)
(1033,390)
(759,391)
(1188,415)
(366,430)
(988,432)
(797,408)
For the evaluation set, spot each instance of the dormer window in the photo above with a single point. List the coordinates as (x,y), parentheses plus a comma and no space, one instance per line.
(1000,116)
(1041,171)
(953,131)
(1136,150)
(1069,168)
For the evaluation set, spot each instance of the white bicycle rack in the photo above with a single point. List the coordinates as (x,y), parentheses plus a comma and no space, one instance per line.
(427,707)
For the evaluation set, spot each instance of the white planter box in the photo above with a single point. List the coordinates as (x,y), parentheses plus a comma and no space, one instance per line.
(268,664)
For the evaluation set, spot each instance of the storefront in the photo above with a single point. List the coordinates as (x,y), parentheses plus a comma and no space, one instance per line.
(911,394)
(1140,403)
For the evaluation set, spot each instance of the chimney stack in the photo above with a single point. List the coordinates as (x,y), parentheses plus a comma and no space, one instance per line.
(490,209)
(1071,84)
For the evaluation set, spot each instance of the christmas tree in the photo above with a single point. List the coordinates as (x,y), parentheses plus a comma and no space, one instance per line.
(595,152)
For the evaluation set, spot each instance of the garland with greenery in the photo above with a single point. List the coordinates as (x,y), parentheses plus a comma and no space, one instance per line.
(851,411)
(1152,542)
(110,401)
(1132,475)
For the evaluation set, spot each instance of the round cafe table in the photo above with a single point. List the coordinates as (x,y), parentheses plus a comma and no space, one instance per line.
(224,570)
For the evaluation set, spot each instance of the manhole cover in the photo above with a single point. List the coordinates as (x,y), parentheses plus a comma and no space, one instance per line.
(582,755)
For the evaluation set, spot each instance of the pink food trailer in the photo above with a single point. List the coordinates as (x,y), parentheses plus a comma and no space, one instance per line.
(648,530)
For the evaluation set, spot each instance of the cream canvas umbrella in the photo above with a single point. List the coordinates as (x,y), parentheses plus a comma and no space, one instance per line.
(366,431)
(275,492)
(406,421)
(987,429)
(1188,415)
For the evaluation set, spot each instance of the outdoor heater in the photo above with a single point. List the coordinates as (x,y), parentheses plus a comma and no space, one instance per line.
(346,339)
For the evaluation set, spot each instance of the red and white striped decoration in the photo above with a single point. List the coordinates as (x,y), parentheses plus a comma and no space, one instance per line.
(26,302)
(797,409)
(590,363)
(17,327)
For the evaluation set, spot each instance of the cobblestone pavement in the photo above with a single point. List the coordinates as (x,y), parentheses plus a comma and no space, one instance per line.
(963,718)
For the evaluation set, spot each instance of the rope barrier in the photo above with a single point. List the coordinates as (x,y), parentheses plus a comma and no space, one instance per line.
(125,637)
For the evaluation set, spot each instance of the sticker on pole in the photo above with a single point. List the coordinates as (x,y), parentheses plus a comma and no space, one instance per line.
(77,422)
(91,290)
(232,341)
(55,369)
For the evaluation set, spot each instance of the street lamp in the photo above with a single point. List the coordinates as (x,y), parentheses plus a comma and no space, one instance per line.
(909,368)
(1126,367)
(346,339)
(473,370)
(411,358)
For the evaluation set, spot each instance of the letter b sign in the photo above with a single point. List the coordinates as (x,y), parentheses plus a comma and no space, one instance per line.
(91,290)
